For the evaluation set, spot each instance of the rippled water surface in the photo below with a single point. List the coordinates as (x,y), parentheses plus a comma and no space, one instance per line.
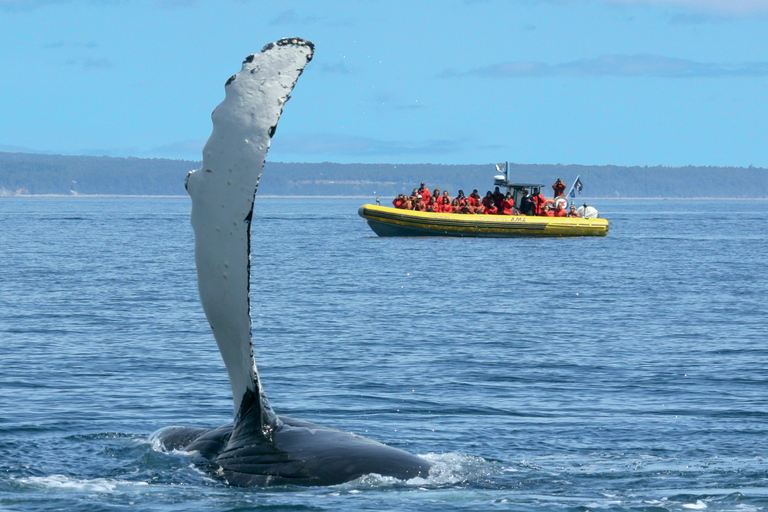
(621,373)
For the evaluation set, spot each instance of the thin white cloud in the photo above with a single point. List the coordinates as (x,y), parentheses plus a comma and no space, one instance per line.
(176,3)
(28,5)
(618,66)
(338,144)
(70,44)
(729,9)
(337,68)
(181,149)
(679,11)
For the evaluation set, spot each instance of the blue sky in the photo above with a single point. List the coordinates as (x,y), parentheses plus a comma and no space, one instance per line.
(625,82)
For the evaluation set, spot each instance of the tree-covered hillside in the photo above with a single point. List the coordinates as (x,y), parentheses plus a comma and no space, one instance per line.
(59,174)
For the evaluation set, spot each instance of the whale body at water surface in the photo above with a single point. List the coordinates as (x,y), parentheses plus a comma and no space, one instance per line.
(258,448)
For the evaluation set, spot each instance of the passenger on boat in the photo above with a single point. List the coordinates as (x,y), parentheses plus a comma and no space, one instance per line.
(455,206)
(560,211)
(538,201)
(508,206)
(498,197)
(419,204)
(467,208)
(413,195)
(573,212)
(424,191)
(399,200)
(558,187)
(474,198)
(432,205)
(526,204)
(447,195)
(491,208)
(488,200)
(547,212)
(461,197)
(445,207)
(436,194)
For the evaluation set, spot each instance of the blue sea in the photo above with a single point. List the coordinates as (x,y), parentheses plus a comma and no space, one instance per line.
(625,373)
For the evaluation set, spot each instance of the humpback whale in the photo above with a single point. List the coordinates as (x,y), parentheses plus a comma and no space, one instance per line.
(259,448)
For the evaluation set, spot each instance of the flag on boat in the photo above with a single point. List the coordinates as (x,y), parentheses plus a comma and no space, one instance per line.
(576,187)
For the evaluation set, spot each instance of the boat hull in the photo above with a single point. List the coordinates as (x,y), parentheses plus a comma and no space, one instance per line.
(386,221)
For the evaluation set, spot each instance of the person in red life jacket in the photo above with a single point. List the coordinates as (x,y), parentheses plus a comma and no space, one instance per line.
(538,201)
(474,199)
(498,197)
(461,197)
(547,212)
(436,194)
(508,205)
(488,199)
(447,195)
(573,213)
(526,204)
(558,187)
(468,208)
(398,201)
(432,205)
(419,204)
(455,206)
(491,208)
(424,191)
(445,207)
(560,212)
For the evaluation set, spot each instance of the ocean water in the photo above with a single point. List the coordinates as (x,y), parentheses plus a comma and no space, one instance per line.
(605,374)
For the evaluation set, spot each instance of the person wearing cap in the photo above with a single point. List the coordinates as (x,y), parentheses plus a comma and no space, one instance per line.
(490,208)
(526,204)
(424,191)
(419,204)
(558,187)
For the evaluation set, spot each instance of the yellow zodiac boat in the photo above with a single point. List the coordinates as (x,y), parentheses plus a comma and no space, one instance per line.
(387,221)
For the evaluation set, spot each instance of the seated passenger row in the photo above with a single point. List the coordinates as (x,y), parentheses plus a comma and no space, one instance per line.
(494,203)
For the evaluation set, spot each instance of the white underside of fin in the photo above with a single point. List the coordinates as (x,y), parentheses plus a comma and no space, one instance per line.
(222,193)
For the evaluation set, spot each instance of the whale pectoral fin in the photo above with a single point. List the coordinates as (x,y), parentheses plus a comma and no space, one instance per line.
(223,191)
(255,418)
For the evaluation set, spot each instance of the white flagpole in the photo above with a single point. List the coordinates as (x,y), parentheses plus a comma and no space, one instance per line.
(572,186)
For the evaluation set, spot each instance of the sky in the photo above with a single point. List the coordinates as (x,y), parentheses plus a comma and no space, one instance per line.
(593,82)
